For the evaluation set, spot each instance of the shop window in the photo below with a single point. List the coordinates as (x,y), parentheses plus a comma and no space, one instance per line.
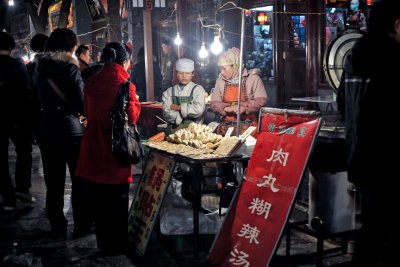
(259,42)
(335,23)
(341,19)
(297,31)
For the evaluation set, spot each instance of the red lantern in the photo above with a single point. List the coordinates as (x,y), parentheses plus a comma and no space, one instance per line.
(262,18)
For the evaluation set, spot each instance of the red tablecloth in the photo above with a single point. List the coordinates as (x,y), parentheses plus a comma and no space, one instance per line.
(148,121)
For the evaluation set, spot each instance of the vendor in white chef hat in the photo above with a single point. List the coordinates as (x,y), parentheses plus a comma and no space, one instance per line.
(184,102)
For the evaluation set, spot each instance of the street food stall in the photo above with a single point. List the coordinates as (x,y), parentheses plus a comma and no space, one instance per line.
(195,146)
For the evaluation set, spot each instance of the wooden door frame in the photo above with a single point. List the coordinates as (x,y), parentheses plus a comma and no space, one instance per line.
(314,51)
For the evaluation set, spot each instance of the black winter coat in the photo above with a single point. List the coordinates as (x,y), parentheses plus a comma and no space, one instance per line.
(57,117)
(367,99)
(15,100)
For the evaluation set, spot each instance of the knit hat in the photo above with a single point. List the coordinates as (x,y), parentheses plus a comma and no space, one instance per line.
(229,57)
(185,65)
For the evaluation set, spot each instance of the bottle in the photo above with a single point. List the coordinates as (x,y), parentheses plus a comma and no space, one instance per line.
(15,249)
(218,182)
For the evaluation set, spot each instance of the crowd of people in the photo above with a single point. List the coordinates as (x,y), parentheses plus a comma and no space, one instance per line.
(45,101)
(61,100)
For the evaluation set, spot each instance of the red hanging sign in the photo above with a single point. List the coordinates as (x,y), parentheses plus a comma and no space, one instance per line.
(257,216)
(149,4)
(262,18)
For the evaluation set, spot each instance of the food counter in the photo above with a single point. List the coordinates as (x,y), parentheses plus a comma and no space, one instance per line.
(148,121)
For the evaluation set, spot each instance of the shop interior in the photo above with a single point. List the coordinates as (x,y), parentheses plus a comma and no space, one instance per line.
(260,53)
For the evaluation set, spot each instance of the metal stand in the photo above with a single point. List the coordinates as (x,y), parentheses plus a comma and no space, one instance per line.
(199,185)
(317,230)
(200,188)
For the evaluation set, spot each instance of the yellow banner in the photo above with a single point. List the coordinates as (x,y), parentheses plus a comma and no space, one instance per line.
(54,15)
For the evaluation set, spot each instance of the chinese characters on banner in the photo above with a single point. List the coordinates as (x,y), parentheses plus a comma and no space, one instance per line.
(148,199)
(54,15)
(258,214)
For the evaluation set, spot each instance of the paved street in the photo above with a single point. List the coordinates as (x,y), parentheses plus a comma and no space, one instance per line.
(24,239)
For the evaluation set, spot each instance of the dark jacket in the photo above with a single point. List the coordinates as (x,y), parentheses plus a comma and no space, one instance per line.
(366,98)
(57,117)
(15,100)
(31,66)
(167,70)
(138,78)
(90,71)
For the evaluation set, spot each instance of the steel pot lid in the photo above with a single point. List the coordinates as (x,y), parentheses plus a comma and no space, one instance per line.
(335,56)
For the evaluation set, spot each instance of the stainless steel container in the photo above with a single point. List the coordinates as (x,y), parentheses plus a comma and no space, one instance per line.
(331,196)
(332,200)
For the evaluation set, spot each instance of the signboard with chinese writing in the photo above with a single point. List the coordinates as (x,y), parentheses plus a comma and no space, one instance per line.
(337,3)
(148,199)
(149,4)
(257,216)
(95,10)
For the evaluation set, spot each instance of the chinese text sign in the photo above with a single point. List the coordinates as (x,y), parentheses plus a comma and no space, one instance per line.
(257,216)
(148,200)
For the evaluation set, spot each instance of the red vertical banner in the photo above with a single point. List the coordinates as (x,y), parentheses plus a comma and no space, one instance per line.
(257,216)
(149,4)
(148,199)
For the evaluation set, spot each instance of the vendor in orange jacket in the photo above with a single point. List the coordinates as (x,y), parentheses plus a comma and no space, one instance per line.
(224,99)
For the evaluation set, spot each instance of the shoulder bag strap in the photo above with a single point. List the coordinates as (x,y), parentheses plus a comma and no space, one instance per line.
(126,92)
(62,96)
(126,86)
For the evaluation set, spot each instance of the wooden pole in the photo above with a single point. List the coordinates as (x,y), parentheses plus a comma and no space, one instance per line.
(148,54)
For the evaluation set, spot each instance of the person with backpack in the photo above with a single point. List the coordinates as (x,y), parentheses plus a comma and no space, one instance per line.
(15,110)
(109,179)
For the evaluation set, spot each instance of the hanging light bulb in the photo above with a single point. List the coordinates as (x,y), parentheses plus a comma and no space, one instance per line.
(178,40)
(25,58)
(203,53)
(10,2)
(216,46)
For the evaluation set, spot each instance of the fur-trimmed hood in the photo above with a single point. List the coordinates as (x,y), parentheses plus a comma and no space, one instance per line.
(61,56)
(51,62)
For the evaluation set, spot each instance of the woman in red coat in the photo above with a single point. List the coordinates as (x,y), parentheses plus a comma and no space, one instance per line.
(108,178)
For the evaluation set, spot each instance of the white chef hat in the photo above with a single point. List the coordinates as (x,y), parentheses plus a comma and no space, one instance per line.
(185,65)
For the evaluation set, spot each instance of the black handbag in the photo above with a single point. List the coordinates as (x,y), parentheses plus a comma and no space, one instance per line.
(126,145)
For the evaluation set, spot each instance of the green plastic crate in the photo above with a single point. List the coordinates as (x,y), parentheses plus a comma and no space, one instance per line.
(184,243)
